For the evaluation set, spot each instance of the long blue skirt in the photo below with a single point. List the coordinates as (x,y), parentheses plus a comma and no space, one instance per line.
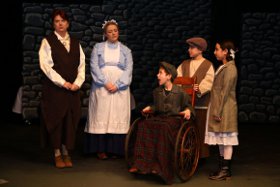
(107,143)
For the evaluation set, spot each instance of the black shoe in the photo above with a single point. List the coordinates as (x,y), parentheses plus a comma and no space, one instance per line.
(214,173)
(223,174)
(220,165)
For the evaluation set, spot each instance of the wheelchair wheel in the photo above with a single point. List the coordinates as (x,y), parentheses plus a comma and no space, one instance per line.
(129,142)
(186,151)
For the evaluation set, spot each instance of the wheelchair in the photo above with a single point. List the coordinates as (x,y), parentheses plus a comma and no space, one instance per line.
(186,154)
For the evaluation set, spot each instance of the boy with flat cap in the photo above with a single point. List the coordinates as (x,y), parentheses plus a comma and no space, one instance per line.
(166,75)
(201,68)
(156,136)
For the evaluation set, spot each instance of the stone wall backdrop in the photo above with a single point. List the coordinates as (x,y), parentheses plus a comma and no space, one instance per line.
(259,71)
(85,24)
(154,31)
(157,31)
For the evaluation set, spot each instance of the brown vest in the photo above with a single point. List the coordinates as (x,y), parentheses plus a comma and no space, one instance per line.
(199,74)
(66,64)
(57,101)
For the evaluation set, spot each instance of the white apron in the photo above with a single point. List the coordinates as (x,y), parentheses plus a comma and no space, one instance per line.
(109,112)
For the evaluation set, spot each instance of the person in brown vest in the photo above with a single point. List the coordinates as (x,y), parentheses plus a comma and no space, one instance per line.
(201,68)
(62,61)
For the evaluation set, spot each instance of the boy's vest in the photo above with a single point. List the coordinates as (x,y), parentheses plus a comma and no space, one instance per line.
(199,74)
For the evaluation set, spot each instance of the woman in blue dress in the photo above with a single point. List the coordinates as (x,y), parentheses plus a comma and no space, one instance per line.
(109,102)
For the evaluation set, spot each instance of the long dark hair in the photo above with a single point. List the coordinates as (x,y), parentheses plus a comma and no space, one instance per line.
(229,45)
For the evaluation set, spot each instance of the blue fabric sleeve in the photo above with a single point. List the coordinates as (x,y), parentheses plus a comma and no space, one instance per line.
(124,81)
(96,73)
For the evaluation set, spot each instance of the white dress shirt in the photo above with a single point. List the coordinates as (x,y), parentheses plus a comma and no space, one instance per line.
(46,62)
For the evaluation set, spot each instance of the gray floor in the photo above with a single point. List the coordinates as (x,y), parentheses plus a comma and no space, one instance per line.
(24,164)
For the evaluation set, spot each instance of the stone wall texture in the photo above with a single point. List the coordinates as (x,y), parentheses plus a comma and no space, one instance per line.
(156,31)
(259,71)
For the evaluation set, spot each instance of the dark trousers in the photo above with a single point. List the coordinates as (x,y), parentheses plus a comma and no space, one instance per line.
(63,133)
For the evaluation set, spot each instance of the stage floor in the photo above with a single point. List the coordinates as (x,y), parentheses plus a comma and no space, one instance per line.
(256,162)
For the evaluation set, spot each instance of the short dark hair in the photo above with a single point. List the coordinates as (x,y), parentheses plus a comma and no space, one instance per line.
(169,69)
(60,12)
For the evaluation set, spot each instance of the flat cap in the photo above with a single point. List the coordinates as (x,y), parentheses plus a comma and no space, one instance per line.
(197,42)
(169,68)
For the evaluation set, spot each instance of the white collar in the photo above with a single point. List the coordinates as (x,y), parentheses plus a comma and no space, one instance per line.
(60,37)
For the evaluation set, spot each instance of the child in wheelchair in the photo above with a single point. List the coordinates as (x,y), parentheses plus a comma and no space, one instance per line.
(156,135)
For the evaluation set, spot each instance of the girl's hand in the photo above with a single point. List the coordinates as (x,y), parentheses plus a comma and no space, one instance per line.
(218,119)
